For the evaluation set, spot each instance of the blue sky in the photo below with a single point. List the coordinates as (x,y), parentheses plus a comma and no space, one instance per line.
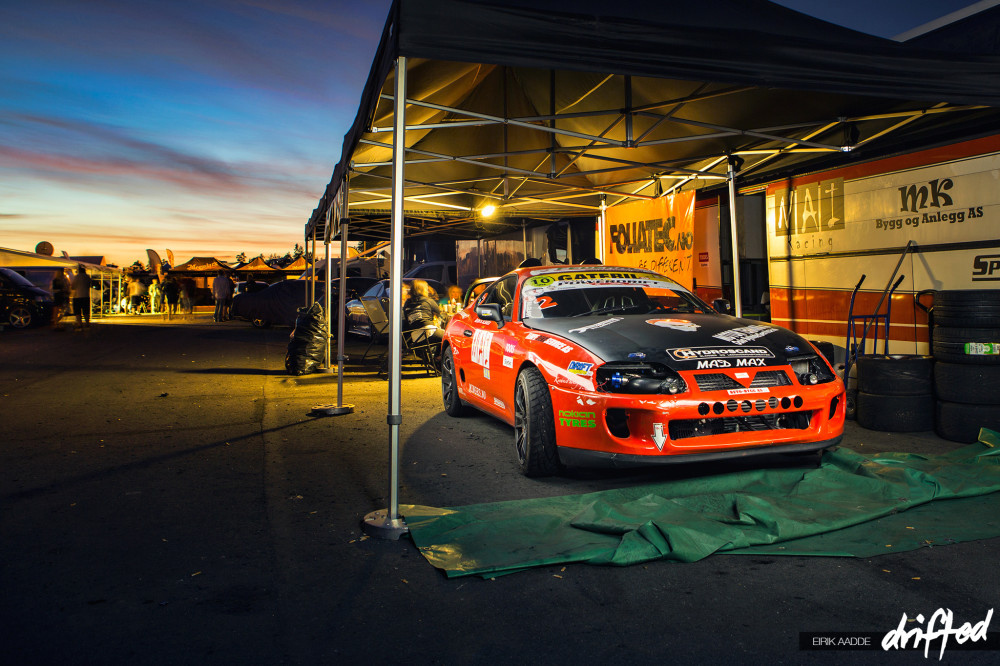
(207,127)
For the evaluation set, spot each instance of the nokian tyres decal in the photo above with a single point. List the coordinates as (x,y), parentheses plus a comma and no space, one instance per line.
(577,419)
(698,353)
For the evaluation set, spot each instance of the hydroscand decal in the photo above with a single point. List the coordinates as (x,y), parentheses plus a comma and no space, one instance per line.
(481,341)
(747,391)
(508,361)
(600,324)
(676,324)
(696,353)
(499,403)
(476,391)
(745,334)
(577,419)
(580,368)
(658,437)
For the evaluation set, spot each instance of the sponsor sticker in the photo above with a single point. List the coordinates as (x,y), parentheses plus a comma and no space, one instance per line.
(714,363)
(637,355)
(745,334)
(600,324)
(580,368)
(696,353)
(552,342)
(509,348)
(481,341)
(531,336)
(508,361)
(573,419)
(499,403)
(476,391)
(676,324)
(791,349)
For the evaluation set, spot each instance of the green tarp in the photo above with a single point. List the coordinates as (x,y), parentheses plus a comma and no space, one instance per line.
(850,505)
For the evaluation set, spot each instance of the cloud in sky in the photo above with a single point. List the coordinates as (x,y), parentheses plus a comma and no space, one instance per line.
(208,125)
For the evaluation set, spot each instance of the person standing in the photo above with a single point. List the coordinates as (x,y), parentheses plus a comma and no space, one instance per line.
(60,297)
(172,294)
(222,290)
(155,296)
(81,298)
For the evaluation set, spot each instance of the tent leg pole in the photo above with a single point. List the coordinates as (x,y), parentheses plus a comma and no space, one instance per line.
(602,229)
(734,242)
(327,278)
(387,524)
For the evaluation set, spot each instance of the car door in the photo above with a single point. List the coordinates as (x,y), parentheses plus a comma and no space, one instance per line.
(491,361)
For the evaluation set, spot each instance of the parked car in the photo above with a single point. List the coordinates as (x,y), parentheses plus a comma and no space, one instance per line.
(22,304)
(621,366)
(358,322)
(444,272)
(279,303)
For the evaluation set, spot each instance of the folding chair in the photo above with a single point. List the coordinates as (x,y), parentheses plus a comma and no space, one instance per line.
(422,344)
(380,322)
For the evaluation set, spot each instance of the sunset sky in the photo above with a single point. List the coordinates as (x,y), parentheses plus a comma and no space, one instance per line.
(209,127)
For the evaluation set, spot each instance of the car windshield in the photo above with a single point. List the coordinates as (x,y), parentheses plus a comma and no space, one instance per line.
(16,278)
(593,293)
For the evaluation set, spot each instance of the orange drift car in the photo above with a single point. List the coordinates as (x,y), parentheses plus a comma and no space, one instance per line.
(611,366)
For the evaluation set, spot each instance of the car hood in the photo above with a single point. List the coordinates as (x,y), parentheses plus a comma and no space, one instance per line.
(680,341)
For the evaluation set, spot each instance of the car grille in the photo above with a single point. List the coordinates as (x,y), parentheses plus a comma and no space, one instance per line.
(685,428)
(770,378)
(717,381)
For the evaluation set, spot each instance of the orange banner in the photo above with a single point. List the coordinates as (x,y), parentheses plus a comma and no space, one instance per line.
(656,234)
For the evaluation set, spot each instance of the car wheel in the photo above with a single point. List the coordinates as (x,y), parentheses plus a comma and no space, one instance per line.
(257,322)
(449,385)
(20,317)
(534,427)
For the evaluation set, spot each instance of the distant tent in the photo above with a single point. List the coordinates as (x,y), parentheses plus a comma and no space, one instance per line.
(201,265)
(296,267)
(256,265)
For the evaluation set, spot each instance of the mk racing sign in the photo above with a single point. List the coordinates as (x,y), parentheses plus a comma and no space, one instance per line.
(657,235)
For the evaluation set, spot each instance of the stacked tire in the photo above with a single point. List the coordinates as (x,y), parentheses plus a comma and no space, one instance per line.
(895,393)
(965,342)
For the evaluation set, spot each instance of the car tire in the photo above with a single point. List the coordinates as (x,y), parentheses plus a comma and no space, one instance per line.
(967,307)
(257,322)
(961,423)
(968,384)
(453,405)
(534,426)
(895,413)
(19,317)
(949,344)
(896,374)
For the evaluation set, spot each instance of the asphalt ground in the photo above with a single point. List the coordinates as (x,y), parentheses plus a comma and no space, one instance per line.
(166,498)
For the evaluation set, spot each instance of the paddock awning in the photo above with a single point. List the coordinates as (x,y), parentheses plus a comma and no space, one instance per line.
(546,111)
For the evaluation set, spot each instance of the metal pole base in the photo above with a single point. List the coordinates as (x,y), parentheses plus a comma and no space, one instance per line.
(378,524)
(332,410)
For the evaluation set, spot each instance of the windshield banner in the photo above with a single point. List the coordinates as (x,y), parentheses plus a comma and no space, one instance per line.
(656,234)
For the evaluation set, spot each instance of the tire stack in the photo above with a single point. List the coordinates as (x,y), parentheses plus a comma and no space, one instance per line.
(965,342)
(895,393)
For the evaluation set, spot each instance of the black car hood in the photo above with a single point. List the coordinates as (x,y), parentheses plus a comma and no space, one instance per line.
(680,341)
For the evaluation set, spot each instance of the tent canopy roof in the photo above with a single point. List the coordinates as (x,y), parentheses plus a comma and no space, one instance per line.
(201,264)
(545,111)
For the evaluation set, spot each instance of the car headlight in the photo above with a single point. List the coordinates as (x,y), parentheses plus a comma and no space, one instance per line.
(639,378)
(810,370)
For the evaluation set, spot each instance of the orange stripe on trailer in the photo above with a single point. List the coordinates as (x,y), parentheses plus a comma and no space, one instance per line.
(798,304)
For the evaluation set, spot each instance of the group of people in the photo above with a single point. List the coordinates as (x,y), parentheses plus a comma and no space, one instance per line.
(63,288)
(158,298)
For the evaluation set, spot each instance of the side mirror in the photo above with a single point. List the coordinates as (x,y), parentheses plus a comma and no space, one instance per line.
(490,312)
(722,306)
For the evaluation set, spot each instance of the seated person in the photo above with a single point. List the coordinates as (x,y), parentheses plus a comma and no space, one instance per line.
(453,302)
(419,313)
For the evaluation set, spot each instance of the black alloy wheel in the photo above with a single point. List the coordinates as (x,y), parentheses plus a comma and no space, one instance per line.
(20,317)
(534,427)
(449,385)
